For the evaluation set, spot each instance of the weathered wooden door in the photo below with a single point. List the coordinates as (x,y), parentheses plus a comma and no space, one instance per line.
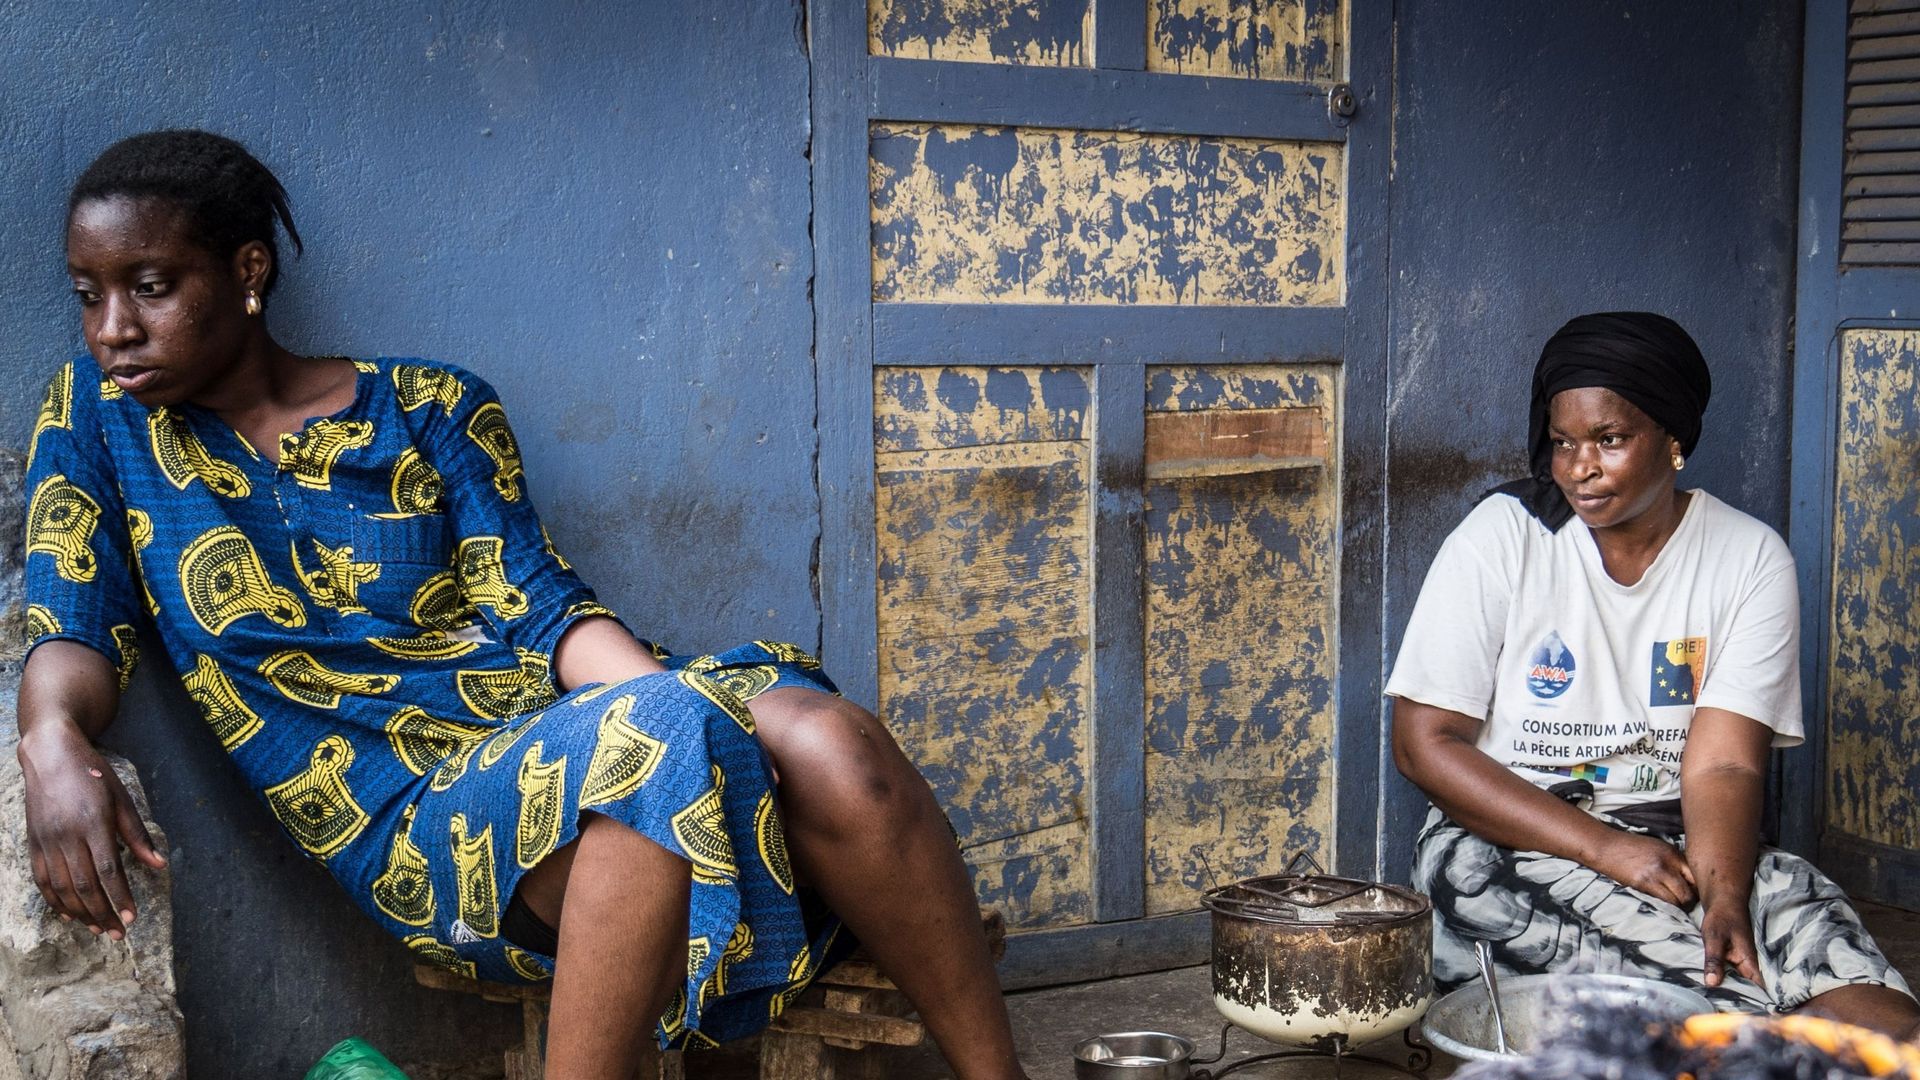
(1856,450)
(1100,310)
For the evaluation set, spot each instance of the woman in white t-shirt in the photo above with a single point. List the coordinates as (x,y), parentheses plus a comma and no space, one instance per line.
(1590,706)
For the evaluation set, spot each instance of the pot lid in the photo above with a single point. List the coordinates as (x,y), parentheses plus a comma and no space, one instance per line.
(1316,899)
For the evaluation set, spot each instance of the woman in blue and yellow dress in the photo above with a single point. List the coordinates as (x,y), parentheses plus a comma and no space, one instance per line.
(342,560)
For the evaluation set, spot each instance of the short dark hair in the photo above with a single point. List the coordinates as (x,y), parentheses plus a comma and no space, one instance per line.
(229,197)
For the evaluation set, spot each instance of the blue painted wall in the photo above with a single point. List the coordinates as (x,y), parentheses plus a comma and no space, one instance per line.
(603,208)
(1556,159)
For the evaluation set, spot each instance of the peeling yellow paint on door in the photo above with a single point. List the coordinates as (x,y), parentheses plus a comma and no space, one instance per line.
(1248,39)
(983,552)
(1038,216)
(1873,687)
(1240,652)
(1045,33)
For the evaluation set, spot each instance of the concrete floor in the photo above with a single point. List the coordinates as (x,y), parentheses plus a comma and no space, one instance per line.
(1048,1022)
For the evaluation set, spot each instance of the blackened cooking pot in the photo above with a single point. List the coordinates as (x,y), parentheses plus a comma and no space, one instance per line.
(1311,960)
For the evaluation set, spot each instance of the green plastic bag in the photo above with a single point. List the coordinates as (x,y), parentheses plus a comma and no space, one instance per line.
(353,1059)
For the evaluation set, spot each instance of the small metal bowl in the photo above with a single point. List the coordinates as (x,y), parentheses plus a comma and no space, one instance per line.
(1461,1023)
(1133,1055)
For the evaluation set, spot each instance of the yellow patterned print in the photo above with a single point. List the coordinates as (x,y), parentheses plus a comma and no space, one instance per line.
(482,573)
(675,1018)
(423,741)
(739,947)
(504,693)
(428,646)
(558,561)
(139,529)
(404,890)
(527,964)
(140,532)
(223,580)
(417,386)
(439,955)
(788,653)
(56,411)
(748,683)
(490,430)
(41,623)
(310,455)
(799,974)
(316,806)
(184,459)
(771,837)
(367,366)
(473,867)
(110,390)
(60,522)
(599,691)
(543,795)
(503,740)
(336,582)
(701,830)
(232,721)
(417,487)
(440,605)
(591,607)
(295,673)
(698,949)
(624,757)
(127,643)
(722,699)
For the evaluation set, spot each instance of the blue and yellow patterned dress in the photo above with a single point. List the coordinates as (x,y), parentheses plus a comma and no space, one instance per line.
(368,627)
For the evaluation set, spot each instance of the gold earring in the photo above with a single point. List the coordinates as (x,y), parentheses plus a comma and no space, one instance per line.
(1679,463)
(253,302)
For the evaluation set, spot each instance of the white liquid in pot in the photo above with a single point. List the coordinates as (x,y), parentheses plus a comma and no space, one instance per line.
(1302,1028)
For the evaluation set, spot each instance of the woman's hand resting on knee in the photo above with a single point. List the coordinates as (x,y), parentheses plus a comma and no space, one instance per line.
(1728,931)
(1650,865)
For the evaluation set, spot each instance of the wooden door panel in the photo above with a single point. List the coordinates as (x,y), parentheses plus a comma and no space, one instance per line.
(1873,676)
(1240,625)
(966,214)
(984,537)
(1046,33)
(1246,39)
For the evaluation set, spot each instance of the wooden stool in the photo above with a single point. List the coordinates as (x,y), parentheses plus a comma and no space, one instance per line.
(838,1027)
(831,1033)
(528,1061)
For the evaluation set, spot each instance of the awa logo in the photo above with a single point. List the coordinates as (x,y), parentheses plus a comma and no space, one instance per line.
(1550,667)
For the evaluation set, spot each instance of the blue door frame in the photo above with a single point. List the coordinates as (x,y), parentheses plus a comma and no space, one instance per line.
(855,336)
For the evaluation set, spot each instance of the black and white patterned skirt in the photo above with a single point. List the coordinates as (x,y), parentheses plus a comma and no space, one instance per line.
(1544,913)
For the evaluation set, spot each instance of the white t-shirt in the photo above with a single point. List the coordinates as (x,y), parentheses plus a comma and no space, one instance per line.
(1582,678)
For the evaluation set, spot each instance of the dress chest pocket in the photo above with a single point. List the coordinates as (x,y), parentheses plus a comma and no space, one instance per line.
(410,539)
(409,553)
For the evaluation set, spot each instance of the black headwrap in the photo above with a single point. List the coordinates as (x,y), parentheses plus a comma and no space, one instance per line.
(1646,358)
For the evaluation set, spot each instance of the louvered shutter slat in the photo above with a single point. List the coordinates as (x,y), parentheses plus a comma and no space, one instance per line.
(1887,25)
(1880,207)
(1873,7)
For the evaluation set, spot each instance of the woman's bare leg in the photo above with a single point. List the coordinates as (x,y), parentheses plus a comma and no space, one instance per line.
(623,947)
(1878,1007)
(865,831)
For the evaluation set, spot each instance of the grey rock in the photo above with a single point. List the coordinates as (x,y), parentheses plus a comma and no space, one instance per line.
(72,1006)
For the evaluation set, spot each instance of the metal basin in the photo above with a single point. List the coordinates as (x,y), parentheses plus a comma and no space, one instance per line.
(1133,1055)
(1461,1023)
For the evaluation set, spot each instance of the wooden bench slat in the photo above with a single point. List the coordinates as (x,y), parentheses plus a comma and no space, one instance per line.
(853,1027)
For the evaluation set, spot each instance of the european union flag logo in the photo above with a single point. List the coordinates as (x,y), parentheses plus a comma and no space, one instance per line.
(1677,668)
